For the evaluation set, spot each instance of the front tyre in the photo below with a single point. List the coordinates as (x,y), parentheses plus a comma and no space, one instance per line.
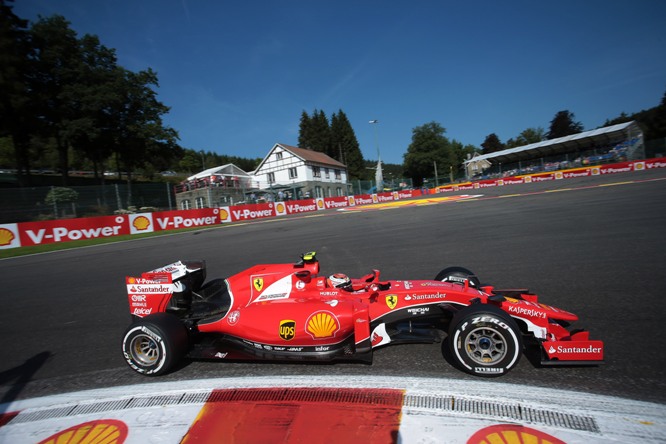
(484,341)
(154,344)
(458,275)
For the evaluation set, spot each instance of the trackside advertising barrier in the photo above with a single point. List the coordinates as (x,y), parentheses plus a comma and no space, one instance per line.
(65,230)
(596,170)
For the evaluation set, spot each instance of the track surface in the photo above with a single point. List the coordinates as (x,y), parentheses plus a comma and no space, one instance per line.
(593,246)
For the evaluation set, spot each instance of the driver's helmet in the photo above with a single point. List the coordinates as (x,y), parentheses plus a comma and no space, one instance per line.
(339,280)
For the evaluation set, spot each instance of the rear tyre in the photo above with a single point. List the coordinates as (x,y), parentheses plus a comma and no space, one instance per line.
(484,341)
(154,344)
(458,275)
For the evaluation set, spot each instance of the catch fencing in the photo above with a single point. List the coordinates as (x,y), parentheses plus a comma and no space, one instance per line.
(27,204)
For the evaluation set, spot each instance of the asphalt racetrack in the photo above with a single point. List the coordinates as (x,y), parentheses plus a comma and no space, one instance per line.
(593,246)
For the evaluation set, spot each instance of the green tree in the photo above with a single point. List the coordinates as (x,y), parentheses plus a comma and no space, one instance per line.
(563,124)
(345,146)
(527,137)
(57,197)
(653,120)
(315,132)
(622,118)
(140,133)
(16,115)
(91,130)
(61,195)
(462,153)
(321,133)
(190,162)
(56,60)
(492,144)
(429,145)
(305,131)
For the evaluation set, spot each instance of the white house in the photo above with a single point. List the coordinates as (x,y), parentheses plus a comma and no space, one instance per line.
(301,173)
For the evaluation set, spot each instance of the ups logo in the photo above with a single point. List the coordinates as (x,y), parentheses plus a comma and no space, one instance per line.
(287,329)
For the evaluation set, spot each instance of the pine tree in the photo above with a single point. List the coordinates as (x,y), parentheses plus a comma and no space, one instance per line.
(563,124)
(492,144)
(345,147)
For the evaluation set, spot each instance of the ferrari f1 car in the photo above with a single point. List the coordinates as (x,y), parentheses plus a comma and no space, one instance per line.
(289,312)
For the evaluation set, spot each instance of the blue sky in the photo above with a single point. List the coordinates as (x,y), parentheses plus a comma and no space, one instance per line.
(238,75)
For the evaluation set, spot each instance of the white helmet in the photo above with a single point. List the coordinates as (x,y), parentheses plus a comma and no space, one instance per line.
(339,280)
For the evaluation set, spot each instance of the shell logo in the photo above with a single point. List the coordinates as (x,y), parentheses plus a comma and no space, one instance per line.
(322,324)
(279,208)
(6,237)
(512,434)
(320,204)
(352,201)
(107,431)
(141,223)
(224,214)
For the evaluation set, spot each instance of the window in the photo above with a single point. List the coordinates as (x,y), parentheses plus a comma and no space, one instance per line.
(186,204)
(200,202)
(326,175)
(316,171)
(318,192)
(270,177)
(293,173)
(338,176)
(278,156)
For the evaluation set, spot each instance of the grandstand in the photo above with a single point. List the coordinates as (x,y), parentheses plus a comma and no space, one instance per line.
(616,143)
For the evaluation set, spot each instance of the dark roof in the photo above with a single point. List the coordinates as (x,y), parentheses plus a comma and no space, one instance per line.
(312,156)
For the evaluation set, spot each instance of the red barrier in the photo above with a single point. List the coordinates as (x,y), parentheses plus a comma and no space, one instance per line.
(173,220)
(65,230)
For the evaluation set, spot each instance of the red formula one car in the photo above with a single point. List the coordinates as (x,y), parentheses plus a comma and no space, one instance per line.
(289,312)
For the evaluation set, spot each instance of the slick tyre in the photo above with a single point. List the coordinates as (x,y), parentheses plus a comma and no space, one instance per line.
(484,341)
(458,275)
(154,344)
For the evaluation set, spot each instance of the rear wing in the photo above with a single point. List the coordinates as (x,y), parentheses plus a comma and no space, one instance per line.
(153,291)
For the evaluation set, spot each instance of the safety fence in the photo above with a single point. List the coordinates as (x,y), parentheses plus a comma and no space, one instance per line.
(51,202)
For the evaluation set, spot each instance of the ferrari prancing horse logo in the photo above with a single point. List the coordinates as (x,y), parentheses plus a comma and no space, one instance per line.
(391,301)
(258,284)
